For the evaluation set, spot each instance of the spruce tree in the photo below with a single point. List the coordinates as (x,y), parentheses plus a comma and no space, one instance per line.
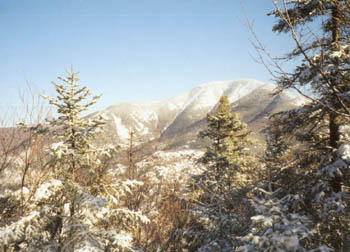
(320,177)
(278,159)
(218,192)
(73,153)
(324,69)
(225,157)
(81,206)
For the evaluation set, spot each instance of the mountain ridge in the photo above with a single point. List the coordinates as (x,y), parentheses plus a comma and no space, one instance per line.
(171,117)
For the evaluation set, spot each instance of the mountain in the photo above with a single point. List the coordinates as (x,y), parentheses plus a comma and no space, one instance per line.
(166,131)
(175,122)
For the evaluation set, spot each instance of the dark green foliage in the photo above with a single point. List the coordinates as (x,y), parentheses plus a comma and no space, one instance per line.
(316,173)
(219,209)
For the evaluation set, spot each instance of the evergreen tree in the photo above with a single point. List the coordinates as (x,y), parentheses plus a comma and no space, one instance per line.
(324,68)
(82,205)
(279,158)
(320,178)
(73,152)
(220,210)
(279,227)
(225,157)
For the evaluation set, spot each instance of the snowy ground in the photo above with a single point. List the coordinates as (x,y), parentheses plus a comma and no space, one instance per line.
(173,165)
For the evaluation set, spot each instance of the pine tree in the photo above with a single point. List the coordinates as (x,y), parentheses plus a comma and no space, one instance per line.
(219,190)
(82,205)
(324,68)
(73,153)
(320,30)
(225,157)
(279,159)
(275,227)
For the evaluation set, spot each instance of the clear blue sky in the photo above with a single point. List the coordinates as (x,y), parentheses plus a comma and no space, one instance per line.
(130,50)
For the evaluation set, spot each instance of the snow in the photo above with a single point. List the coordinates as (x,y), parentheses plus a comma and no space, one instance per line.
(172,106)
(281,231)
(56,146)
(291,243)
(59,148)
(204,97)
(173,165)
(140,117)
(207,95)
(296,99)
(344,151)
(239,89)
(122,131)
(144,117)
(145,113)
(47,189)
(336,54)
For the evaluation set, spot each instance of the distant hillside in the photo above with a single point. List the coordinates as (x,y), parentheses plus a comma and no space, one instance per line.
(175,122)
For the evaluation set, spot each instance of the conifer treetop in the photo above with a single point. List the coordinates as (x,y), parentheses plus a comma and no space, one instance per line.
(81,205)
(73,134)
(70,94)
(228,133)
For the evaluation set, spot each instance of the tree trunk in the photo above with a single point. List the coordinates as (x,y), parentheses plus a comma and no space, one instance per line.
(334,134)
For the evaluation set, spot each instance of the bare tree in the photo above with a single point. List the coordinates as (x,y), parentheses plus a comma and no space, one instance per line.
(19,150)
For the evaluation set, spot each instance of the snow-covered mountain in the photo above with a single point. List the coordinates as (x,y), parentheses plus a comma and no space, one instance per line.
(168,129)
(181,116)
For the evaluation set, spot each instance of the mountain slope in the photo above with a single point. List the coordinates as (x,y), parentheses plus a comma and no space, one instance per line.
(179,118)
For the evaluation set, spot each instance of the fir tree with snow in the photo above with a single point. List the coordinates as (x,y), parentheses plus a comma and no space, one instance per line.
(279,227)
(320,30)
(81,205)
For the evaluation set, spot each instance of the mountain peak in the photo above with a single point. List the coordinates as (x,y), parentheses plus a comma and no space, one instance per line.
(176,115)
